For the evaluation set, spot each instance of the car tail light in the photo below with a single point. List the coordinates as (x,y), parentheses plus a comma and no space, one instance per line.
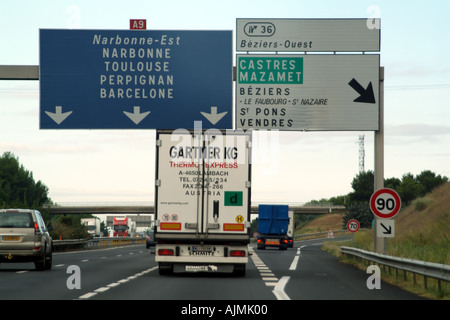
(237,253)
(165,252)
(36,228)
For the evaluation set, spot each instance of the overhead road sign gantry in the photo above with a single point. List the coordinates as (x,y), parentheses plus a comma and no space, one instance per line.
(308,35)
(135,79)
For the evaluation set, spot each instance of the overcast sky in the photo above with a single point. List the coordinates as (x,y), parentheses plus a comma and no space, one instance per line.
(118,165)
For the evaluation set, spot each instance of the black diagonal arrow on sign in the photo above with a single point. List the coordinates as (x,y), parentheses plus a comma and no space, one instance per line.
(365,95)
(388,231)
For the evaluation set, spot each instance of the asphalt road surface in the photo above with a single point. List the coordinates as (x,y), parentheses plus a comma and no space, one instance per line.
(304,272)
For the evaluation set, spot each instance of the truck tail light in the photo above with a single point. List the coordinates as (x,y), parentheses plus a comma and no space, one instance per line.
(165,252)
(237,253)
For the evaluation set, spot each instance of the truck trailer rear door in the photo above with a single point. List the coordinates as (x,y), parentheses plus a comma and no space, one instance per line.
(203,183)
(227,183)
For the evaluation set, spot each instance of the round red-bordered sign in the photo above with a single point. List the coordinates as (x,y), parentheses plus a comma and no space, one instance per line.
(352,225)
(385,203)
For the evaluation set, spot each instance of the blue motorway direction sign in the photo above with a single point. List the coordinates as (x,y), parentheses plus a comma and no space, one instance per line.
(135,79)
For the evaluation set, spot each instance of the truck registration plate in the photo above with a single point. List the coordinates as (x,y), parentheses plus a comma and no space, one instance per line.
(201,249)
(11,238)
(272,241)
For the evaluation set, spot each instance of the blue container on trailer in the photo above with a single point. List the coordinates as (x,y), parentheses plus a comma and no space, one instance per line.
(273,219)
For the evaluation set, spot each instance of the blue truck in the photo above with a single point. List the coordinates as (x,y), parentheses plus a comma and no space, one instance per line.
(273,224)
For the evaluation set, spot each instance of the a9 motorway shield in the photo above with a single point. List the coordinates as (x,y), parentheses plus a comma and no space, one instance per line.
(385,203)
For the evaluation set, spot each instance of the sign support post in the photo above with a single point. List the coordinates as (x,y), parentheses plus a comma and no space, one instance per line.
(379,242)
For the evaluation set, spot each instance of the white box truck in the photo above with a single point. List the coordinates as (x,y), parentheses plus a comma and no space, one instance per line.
(93,226)
(202,201)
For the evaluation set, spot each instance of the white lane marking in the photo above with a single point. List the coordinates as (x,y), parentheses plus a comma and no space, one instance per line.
(278,291)
(270,279)
(280,285)
(295,261)
(266,274)
(87,295)
(115,284)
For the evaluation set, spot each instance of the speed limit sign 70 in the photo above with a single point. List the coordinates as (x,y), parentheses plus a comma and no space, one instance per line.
(385,203)
(352,225)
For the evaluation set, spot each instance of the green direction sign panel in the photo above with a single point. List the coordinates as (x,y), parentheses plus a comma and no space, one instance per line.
(233,198)
(270,70)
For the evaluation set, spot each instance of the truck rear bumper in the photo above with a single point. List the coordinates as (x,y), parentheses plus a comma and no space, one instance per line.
(274,241)
(201,258)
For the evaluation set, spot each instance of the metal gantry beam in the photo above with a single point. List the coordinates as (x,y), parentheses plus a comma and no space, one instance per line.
(14,72)
(142,209)
(100,209)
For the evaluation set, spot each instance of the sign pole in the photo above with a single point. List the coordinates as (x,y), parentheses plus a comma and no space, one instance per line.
(379,242)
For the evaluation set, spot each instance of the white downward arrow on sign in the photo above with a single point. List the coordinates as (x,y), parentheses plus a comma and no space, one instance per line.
(58,116)
(214,117)
(136,116)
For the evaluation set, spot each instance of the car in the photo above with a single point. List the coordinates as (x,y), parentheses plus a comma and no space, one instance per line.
(150,240)
(25,238)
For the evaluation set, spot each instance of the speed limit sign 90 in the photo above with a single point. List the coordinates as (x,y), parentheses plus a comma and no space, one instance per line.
(385,203)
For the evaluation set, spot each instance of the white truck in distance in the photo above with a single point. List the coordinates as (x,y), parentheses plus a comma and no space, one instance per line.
(202,201)
(93,226)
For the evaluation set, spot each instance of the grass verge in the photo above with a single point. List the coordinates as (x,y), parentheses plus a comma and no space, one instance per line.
(417,284)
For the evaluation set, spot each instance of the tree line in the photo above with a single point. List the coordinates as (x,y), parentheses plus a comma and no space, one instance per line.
(18,189)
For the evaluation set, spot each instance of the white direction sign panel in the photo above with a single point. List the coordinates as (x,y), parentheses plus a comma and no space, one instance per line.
(308,92)
(301,35)
(385,228)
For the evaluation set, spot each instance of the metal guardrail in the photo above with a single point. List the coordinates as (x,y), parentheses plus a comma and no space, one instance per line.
(438,271)
(101,241)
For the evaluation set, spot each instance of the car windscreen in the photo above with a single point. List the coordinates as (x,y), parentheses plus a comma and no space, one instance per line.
(16,220)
